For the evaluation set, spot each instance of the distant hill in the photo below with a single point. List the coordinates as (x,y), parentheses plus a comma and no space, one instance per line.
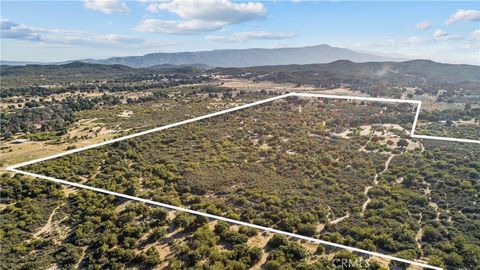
(68,70)
(86,72)
(247,57)
(414,72)
(184,67)
(89,69)
(425,73)
(22,63)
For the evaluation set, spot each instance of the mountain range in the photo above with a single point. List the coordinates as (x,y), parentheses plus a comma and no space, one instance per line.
(238,57)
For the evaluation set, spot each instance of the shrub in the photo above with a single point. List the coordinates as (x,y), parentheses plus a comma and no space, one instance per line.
(277,241)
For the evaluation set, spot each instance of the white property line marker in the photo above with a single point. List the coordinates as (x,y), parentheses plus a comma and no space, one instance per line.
(229,220)
(14,168)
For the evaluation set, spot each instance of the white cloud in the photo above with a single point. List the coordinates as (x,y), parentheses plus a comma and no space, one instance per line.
(109,39)
(439,33)
(417,40)
(106,6)
(423,25)
(476,34)
(246,36)
(120,38)
(391,43)
(464,15)
(212,10)
(200,16)
(6,24)
(177,27)
(13,30)
(450,38)
(438,36)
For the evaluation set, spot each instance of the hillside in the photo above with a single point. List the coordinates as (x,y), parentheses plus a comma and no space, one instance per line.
(81,69)
(392,73)
(374,77)
(71,69)
(25,76)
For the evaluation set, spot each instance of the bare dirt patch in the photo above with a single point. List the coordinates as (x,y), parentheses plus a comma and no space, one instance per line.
(260,241)
(52,228)
(85,132)
(244,84)
(342,92)
(125,113)
(385,134)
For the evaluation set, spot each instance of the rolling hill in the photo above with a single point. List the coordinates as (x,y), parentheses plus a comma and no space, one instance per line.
(70,70)
(412,72)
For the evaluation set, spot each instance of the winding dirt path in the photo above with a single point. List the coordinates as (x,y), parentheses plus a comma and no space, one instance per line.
(261,241)
(419,235)
(364,205)
(321,226)
(375,182)
(82,256)
(49,225)
(335,221)
(363,148)
(423,148)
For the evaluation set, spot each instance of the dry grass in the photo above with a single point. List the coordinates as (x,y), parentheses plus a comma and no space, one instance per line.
(244,84)
(385,132)
(16,153)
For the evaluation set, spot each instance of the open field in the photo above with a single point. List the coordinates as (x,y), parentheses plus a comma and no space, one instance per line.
(20,152)
(250,85)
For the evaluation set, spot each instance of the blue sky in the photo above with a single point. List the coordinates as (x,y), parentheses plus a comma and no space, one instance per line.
(65,30)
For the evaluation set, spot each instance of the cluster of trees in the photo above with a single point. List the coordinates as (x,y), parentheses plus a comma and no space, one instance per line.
(441,123)
(53,118)
(451,114)
(459,93)
(375,79)
(465,131)
(220,248)
(105,232)
(28,81)
(45,116)
(455,235)
(28,204)
(95,87)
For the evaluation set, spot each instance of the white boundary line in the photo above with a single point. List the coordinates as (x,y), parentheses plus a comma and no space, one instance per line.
(233,221)
(14,169)
(387,100)
(150,131)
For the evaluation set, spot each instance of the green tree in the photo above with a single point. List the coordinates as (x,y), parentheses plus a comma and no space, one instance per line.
(151,257)
(277,241)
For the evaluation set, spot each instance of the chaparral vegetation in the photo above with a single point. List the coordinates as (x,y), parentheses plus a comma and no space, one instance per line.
(343,171)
